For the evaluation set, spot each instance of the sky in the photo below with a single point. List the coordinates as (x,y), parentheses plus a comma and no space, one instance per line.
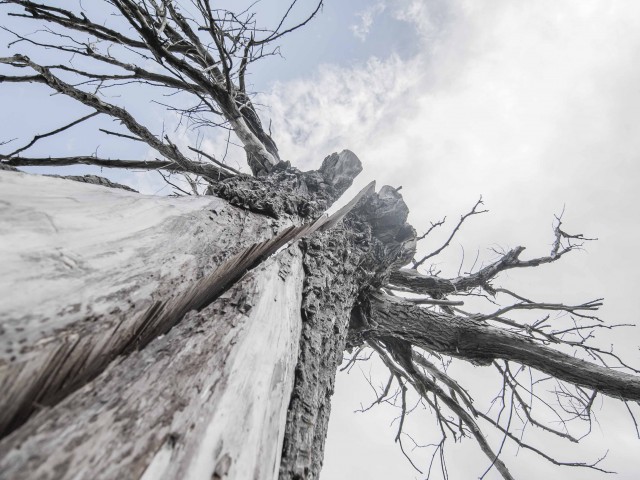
(533,105)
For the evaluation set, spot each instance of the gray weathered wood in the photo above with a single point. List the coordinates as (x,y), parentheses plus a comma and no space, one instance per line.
(208,398)
(83,267)
(77,327)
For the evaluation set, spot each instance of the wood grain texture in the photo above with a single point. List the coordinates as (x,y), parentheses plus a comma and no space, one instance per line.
(84,266)
(210,396)
(96,349)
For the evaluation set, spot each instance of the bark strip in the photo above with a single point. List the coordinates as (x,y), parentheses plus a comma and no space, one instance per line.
(340,264)
(88,267)
(206,400)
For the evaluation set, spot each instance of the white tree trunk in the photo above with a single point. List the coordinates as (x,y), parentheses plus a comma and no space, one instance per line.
(84,269)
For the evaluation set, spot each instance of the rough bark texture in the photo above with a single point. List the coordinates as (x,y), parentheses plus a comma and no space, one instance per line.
(150,337)
(339,265)
(113,269)
(87,267)
(207,400)
(330,289)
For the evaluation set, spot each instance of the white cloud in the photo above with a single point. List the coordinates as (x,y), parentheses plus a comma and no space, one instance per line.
(366,17)
(534,105)
(339,108)
(522,94)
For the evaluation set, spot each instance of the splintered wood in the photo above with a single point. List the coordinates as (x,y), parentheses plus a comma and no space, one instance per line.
(138,302)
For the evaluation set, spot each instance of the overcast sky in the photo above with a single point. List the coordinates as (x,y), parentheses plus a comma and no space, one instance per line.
(533,105)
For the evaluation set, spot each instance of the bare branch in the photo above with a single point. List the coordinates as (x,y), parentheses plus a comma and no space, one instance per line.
(439,287)
(481,343)
(210,157)
(433,301)
(526,305)
(166,36)
(277,33)
(121,135)
(402,355)
(549,458)
(431,228)
(208,171)
(92,100)
(52,132)
(473,211)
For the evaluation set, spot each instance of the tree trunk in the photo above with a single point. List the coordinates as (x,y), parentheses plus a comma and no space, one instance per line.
(210,394)
(149,337)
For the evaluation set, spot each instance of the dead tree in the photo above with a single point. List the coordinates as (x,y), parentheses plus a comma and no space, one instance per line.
(198,336)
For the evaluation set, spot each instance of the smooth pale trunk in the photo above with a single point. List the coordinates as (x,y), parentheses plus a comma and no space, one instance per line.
(81,267)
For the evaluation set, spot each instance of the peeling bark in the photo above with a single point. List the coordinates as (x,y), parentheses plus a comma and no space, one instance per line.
(104,261)
(114,280)
(209,396)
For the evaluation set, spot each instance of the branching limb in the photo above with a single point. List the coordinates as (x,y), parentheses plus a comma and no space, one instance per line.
(203,169)
(474,211)
(93,101)
(161,33)
(481,343)
(213,159)
(528,305)
(537,451)
(403,362)
(402,365)
(355,358)
(51,133)
(432,227)
(439,287)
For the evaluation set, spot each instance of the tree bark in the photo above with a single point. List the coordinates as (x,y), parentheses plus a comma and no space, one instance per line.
(103,259)
(107,371)
(155,337)
(87,267)
(206,400)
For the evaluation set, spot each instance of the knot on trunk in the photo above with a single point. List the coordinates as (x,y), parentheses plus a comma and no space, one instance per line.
(339,170)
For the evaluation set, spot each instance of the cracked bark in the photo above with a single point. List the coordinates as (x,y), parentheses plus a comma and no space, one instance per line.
(103,261)
(108,261)
(136,323)
(171,410)
(338,266)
